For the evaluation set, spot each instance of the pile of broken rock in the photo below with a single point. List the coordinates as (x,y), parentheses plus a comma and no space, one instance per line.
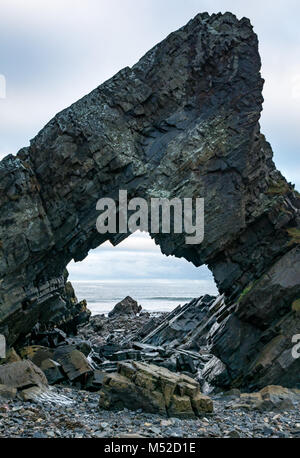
(122,364)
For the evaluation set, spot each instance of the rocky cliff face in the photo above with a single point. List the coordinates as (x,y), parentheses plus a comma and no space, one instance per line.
(182,122)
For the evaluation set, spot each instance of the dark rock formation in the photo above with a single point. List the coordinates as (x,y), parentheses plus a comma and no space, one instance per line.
(63,362)
(193,330)
(182,122)
(186,326)
(127,306)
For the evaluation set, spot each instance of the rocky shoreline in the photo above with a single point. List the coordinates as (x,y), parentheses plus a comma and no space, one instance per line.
(107,381)
(81,418)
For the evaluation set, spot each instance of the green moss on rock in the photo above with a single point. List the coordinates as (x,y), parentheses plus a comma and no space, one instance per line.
(245,291)
(296,306)
(294,233)
(278,188)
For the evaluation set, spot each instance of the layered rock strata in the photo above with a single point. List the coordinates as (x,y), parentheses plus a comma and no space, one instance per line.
(182,122)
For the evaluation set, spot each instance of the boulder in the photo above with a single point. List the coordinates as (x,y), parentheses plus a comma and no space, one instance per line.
(7,392)
(11,357)
(271,398)
(95,380)
(127,306)
(36,353)
(73,363)
(43,358)
(60,363)
(202,403)
(52,370)
(153,389)
(82,345)
(180,406)
(21,375)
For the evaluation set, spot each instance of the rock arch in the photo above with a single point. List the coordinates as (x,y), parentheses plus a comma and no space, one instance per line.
(182,122)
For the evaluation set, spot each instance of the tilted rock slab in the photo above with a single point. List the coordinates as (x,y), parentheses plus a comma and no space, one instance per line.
(182,122)
(73,362)
(153,389)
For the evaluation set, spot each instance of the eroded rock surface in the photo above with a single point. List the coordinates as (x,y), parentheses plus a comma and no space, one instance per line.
(182,122)
(153,389)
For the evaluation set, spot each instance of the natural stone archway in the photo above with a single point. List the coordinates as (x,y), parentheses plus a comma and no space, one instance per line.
(182,122)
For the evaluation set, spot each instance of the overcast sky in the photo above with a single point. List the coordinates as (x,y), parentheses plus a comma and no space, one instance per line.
(55,51)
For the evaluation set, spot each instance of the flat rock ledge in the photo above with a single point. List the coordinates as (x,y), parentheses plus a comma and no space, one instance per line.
(153,389)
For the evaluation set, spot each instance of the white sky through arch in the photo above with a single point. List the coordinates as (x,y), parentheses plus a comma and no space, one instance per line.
(137,257)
